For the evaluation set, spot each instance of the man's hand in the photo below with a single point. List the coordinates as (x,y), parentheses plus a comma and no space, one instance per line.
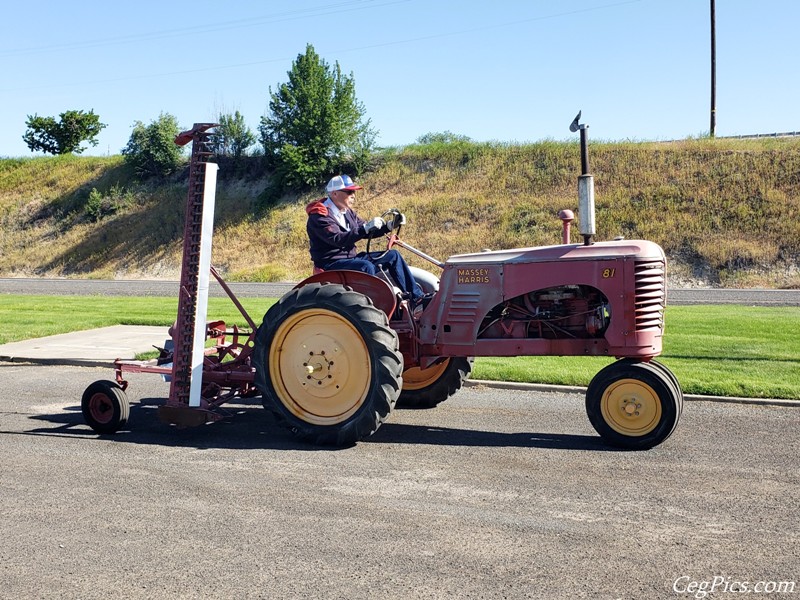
(373,225)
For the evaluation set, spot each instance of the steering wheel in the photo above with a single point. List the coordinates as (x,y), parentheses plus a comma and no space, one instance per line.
(394,218)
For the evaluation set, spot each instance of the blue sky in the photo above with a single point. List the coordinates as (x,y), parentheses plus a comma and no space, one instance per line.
(504,70)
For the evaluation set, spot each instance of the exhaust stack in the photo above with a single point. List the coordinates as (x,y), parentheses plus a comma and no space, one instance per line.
(585,185)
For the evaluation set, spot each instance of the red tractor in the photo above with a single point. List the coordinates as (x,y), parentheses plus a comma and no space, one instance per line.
(335,355)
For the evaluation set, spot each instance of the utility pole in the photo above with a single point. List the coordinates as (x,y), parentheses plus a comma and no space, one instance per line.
(713,129)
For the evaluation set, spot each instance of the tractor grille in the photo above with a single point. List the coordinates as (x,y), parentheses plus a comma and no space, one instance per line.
(650,295)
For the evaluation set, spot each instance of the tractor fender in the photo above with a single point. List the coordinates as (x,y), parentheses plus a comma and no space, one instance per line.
(375,289)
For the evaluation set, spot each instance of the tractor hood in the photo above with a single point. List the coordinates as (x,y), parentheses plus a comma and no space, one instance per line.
(641,249)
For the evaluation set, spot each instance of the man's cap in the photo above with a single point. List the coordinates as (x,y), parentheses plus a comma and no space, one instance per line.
(341,182)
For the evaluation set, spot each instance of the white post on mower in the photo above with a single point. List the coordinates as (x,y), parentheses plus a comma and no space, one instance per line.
(585,185)
(201,313)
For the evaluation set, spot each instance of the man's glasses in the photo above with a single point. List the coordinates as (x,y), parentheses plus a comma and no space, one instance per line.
(349,192)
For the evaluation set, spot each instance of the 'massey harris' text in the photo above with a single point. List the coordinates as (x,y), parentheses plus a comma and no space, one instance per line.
(473,275)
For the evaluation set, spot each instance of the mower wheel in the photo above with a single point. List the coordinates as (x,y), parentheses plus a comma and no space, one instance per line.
(426,388)
(327,364)
(634,405)
(105,407)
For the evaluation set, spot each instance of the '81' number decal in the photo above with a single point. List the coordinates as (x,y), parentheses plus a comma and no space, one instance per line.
(609,273)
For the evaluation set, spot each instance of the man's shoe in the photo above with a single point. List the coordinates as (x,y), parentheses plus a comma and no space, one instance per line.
(424,300)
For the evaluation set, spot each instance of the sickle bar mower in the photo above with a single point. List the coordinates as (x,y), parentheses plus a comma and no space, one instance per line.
(201,378)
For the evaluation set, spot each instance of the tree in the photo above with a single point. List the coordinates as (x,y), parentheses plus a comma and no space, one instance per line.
(64,136)
(151,149)
(233,137)
(316,125)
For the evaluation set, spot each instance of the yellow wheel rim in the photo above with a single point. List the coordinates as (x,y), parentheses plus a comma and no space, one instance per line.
(416,378)
(631,407)
(320,366)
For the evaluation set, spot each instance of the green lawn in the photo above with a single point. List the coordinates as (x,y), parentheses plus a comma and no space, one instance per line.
(724,350)
(26,317)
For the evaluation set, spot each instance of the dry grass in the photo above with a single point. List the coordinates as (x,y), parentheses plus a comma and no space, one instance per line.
(727,212)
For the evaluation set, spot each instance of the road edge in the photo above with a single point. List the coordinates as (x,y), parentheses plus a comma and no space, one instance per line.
(544,387)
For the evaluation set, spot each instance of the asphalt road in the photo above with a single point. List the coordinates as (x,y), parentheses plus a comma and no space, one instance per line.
(85,287)
(495,494)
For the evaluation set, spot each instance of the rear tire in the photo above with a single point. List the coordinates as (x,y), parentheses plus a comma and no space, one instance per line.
(427,388)
(634,405)
(105,407)
(327,364)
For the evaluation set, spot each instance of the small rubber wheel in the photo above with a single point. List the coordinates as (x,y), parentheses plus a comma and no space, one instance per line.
(105,407)
(427,388)
(634,405)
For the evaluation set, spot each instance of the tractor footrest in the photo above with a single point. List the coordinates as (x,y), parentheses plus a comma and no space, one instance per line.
(185,416)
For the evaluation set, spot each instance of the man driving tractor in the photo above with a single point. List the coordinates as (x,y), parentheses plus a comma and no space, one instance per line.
(334,228)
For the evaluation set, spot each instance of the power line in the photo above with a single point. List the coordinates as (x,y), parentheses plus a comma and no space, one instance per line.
(291,15)
(339,51)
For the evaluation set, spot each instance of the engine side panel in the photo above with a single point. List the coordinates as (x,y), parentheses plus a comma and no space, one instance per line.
(604,300)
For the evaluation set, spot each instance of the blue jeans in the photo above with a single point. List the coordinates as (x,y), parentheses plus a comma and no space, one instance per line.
(392,263)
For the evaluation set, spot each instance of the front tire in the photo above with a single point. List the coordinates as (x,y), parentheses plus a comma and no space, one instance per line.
(327,364)
(634,405)
(427,388)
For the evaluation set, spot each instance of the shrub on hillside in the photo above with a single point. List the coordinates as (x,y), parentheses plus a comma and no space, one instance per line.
(443,137)
(151,149)
(99,204)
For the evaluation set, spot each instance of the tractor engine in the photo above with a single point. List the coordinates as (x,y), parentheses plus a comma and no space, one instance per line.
(572,311)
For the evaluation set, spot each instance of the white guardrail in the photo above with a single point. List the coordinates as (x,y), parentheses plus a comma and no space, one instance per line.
(762,135)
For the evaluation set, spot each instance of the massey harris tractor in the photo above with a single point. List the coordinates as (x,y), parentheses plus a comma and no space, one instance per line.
(337,353)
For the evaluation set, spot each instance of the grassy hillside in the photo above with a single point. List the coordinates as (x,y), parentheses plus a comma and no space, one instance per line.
(726,211)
